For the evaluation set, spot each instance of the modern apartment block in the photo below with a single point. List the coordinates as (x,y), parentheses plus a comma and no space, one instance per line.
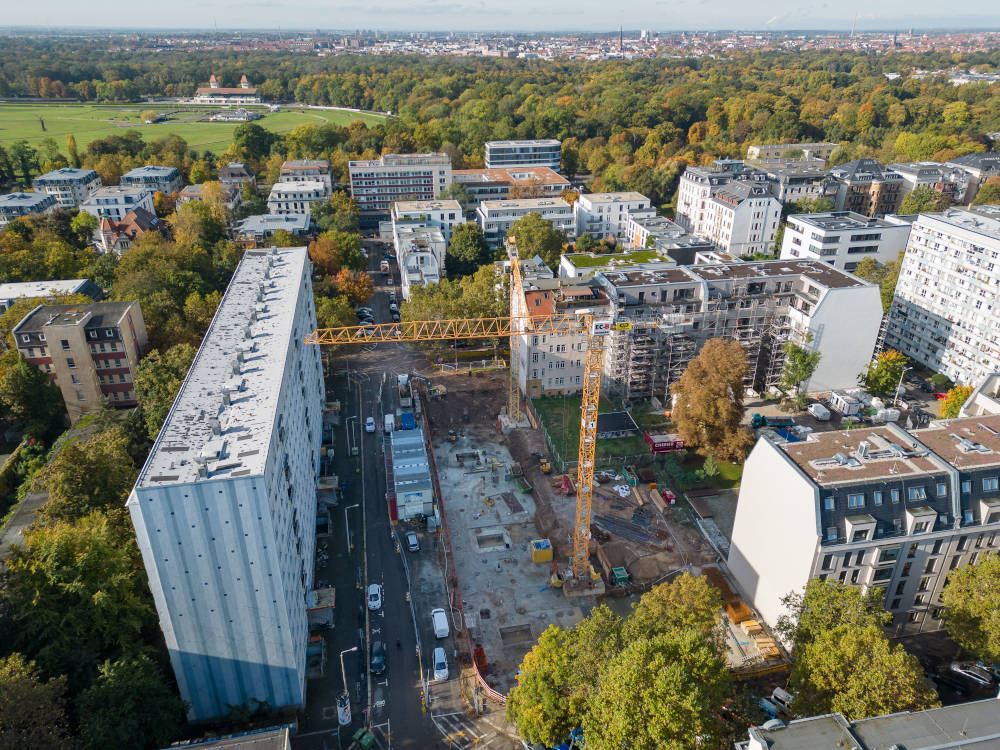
(792,183)
(844,238)
(879,507)
(697,184)
(945,313)
(378,183)
(604,215)
(761,304)
(866,187)
(295,197)
(259,228)
(512,182)
(546,152)
(231,195)
(307,170)
(69,186)
(15,205)
(224,509)
(980,167)
(741,218)
(950,181)
(791,151)
(443,214)
(18,290)
(237,173)
(116,201)
(420,252)
(165,180)
(666,237)
(89,351)
(497,217)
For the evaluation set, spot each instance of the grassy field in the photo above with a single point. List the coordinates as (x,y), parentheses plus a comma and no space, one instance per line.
(561,416)
(89,122)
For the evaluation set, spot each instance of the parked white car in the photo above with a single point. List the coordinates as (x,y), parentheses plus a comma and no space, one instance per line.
(374,597)
(369,424)
(440,664)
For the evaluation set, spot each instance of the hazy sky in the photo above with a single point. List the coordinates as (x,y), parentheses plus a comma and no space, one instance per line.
(527,15)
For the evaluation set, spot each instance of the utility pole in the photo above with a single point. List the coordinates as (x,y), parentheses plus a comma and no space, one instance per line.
(344,701)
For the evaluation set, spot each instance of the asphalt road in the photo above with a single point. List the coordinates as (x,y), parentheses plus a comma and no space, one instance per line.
(394,697)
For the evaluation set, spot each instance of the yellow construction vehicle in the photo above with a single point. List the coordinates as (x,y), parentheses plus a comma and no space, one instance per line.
(519,323)
(545,465)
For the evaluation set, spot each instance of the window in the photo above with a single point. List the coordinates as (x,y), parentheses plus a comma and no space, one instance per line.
(900,587)
(919,600)
(906,570)
(65,344)
(828,503)
(895,496)
(922,527)
(917,493)
(931,565)
(895,604)
(855,575)
(963,543)
(882,574)
(912,551)
(938,543)
(877,497)
(80,396)
(967,517)
(74,379)
(856,501)
(831,533)
(942,489)
(925,583)
(914,616)
(70,363)
(860,536)
(954,562)
(966,487)
(989,484)
(889,554)
(827,562)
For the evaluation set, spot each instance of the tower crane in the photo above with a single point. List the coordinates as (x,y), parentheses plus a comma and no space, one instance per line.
(514,326)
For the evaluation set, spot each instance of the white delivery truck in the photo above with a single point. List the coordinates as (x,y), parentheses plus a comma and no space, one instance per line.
(819,411)
(440,620)
(389,422)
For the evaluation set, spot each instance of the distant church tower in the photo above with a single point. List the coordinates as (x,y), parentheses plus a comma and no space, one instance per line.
(213,82)
(621,40)
(244,83)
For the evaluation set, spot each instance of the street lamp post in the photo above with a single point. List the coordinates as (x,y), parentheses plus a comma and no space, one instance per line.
(895,401)
(344,701)
(350,434)
(347,528)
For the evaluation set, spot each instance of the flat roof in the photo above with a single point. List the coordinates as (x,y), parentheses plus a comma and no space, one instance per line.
(841,221)
(273,222)
(821,273)
(93,315)
(966,443)
(431,205)
(297,187)
(533,175)
(552,202)
(410,467)
(828,732)
(983,220)
(862,454)
(260,299)
(402,160)
(271,738)
(152,170)
(527,142)
(974,724)
(26,200)
(67,173)
(669,275)
(18,289)
(615,421)
(306,164)
(622,197)
(109,191)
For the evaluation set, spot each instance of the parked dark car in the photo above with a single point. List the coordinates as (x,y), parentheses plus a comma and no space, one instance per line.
(378,657)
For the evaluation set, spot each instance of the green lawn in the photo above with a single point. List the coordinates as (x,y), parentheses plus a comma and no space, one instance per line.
(585,260)
(561,416)
(89,122)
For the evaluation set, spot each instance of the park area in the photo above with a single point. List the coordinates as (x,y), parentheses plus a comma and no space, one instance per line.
(90,122)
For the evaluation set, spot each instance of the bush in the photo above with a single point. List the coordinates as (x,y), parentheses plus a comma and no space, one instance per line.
(940,382)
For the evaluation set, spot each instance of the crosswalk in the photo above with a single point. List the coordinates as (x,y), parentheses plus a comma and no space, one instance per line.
(460,732)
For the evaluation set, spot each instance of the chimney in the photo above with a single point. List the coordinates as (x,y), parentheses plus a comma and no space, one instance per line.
(216,425)
(225,398)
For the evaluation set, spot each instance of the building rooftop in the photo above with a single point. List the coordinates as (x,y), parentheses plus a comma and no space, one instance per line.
(410,468)
(990,160)
(615,421)
(840,221)
(820,273)
(151,170)
(828,732)
(623,197)
(271,738)
(528,203)
(235,169)
(93,315)
(983,220)
(306,164)
(241,360)
(415,207)
(676,275)
(402,160)
(25,200)
(864,169)
(297,187)
(536,142)
(264,223)
(20,289)
(969,442)
(412,237)
(526,176)
(885,451)
(65,174)
(113,191)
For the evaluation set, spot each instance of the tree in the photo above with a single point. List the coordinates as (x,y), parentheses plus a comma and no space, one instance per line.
(199,309)
(254,140)
(950,405)
(96,474)
(148,115)
(585,243)
(334,250)
(74,156)
(660,692)
(989,192)
(824,605)
(924,199)
(687,602)
(884,276)
(536,236)
(158,377)
(971,613)
(334,312)
(75,594)
(130,704)
(25,158)
(856,671)
(357,286)
(84,225)
(456,191)
(883,377)
(32,712)
(708,404)
(28,398)
(340,213)
(467,250)
(800,364)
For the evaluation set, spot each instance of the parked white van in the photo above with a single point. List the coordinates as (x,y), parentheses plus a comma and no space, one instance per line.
(440,664)
(389,423)
(440,620)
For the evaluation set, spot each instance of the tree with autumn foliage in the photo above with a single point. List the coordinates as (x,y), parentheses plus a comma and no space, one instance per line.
(333,250)
(883,377)
(708,401)
(357,286)
(951,404)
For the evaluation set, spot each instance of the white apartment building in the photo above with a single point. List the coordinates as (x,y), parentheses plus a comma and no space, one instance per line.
(294,197)
(420,252)
(117,200)
(945,313)
(797,183)
(378,183)
(166,180)
(949,180)
(224,509)
(69,186)
(980,167)
(443,214)
(781,151)
(15,205)
(605,215)
(880,507)
(844,238)
(307,170)
(497,217)
(545,152)
(697,184)
(742,218)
